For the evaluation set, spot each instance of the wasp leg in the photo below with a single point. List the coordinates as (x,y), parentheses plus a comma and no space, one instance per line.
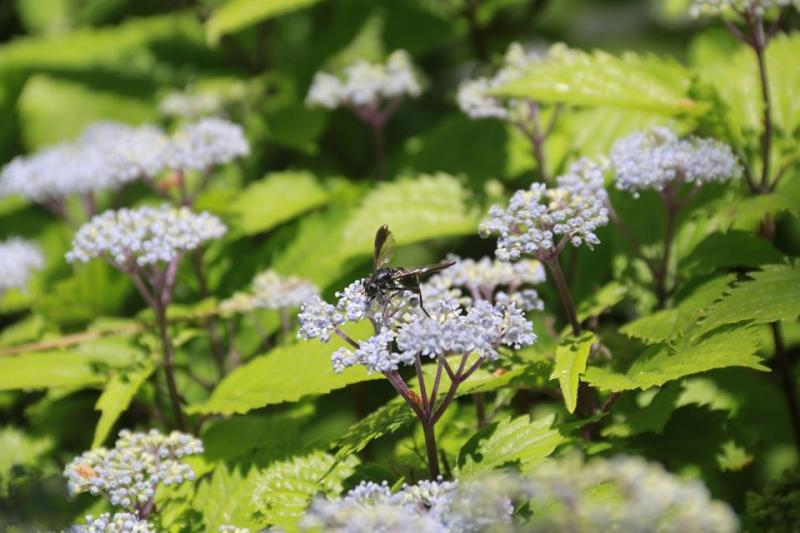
(419,294)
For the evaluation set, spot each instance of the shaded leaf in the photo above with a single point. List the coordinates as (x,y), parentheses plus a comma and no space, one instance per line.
(603,299)
(286,374)
(383,421)
(728,250)
(773,294)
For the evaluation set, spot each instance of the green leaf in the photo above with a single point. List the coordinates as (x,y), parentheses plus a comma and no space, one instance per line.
(53,110)
(747,213)
(728,250)
(278,197)
(19,450)
(506,442)
(224,498)
(661,364)
(670,324)
(127,43)
(573,77)
(383,421)
(772,295)
(571,356)
(47,370)
(285,374)
(116,398)
(235,15)
(283,491)
(605,298)
(427,207)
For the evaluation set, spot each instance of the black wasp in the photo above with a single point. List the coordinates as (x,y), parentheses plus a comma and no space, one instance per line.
(386,281)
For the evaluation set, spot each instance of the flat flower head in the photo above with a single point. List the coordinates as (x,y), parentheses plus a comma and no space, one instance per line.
(366,85)
(489,279)
(539,221)
(143,236)
(116,523)
(272,291)
(474,96)
(107,155)
(19,258)
(206,144)
(129,474)
(761,8)
(658,158)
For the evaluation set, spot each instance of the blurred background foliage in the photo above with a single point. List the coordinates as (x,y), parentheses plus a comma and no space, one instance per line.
(306,203)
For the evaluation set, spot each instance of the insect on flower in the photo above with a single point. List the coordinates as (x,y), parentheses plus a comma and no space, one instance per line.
(387,281)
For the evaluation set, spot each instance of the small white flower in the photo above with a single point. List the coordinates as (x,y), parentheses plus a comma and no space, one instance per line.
(272,291)
(474,96)
(129,474)
(206,144)
(18,259)
(365,84)
(118,523)
(143,236)
(657,159)
(722,7)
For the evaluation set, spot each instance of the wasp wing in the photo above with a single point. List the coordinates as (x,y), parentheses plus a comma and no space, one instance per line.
(384,247)
(399,274)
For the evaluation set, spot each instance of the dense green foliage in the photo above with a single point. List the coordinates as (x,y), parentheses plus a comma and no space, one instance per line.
(682,347)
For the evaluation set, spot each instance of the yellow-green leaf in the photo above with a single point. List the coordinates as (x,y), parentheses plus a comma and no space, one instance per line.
(235,15)
(571,356)
(116,398)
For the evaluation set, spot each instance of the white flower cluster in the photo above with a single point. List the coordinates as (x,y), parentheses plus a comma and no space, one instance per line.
(143,236)
(129,473)
(473,95)
(365,84)
(533,220)
(721,7)
(319,319)
(616,494)
(449,330)
(427,507)
(637,496)
(228,528)
(658,159)
(190,105)
(18,259)
(490,280)
(106,156)
(118,523)
(205,144)
(272,291)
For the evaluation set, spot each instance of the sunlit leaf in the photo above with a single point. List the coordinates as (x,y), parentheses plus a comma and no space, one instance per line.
(235,15)
(571,356)
(116,398)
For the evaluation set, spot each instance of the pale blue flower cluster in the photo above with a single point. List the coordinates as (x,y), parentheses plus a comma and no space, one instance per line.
(118,523)
(365,84)
(474,96)
(488,279)
(18,259)
(319,319)
(109,154)
(426,507)
(616,494)
(129,474)
(637,495)
(228,528)
(722,7)
(449,330)
(658,158)
(143,236)
(539,221)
